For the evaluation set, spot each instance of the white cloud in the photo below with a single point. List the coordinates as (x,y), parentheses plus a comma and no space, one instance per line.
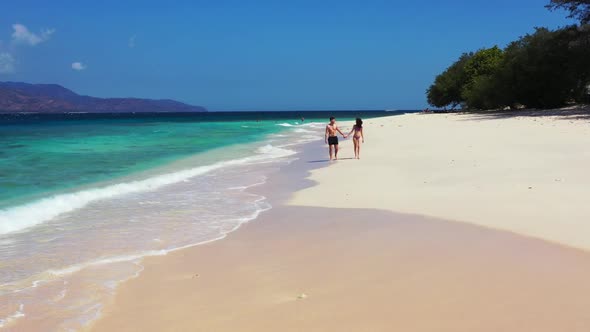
(78,66)
(6,63)
(22,34)
(132,41)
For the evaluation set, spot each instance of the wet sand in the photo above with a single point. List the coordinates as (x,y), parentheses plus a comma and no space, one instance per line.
(315,269)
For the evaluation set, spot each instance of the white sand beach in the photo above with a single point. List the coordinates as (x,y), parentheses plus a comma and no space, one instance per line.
(525,174)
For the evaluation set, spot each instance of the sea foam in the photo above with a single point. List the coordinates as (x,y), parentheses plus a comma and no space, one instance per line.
(8,320)
(28,215)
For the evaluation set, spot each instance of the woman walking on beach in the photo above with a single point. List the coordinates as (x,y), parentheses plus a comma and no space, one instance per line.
(357,129)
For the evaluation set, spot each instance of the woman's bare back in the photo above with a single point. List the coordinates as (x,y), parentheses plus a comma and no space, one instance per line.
(358,132)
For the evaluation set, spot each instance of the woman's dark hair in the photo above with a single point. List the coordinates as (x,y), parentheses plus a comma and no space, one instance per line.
(359,123)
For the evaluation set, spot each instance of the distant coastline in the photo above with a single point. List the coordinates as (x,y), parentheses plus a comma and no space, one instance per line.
(18,97)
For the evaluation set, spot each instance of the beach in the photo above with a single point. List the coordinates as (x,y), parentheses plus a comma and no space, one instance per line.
(526,174)
(172,170)
(449,222)
(90,200)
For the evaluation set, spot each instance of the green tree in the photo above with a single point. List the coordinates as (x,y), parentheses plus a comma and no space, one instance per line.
(447,87)
(464,81)
(578,9)
(579,60)
(478,91)
(544,69)
(580,45)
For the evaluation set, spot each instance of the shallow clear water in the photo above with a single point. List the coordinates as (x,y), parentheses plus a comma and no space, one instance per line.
(83,199)
(44,157)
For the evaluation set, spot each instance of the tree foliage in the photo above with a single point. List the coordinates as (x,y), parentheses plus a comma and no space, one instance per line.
(462,81)
(479,71)
(548,68)
(544,69)
(448,86)
(578,9)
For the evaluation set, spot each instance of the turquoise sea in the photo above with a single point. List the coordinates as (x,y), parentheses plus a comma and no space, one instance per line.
(83,197)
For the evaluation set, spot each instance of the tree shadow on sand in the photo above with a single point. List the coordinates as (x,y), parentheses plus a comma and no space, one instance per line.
(567,113)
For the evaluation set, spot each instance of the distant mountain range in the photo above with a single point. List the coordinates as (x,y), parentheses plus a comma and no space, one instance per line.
(53,98)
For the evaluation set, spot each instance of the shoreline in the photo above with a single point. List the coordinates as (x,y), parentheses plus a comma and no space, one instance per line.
(76,291)
(306,268)
(339,276)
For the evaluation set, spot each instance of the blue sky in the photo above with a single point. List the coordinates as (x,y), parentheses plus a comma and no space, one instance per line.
(256,55)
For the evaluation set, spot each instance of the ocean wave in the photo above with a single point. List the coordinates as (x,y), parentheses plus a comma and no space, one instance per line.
(16,315)
(105,261)
(301,130)
(25,216)
(242,188)
(51,275)
(270,149)
(285,124)
(262,206)
(317,125)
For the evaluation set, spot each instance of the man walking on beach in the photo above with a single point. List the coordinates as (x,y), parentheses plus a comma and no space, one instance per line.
(331,138)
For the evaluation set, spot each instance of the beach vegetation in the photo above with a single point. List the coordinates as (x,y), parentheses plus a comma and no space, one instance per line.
(578,9)
(448,86)
(543,69)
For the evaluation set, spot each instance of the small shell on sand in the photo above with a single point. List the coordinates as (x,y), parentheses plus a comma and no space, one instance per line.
(302,296)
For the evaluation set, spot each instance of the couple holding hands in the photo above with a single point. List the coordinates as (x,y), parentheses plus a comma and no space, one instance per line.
(332,140)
